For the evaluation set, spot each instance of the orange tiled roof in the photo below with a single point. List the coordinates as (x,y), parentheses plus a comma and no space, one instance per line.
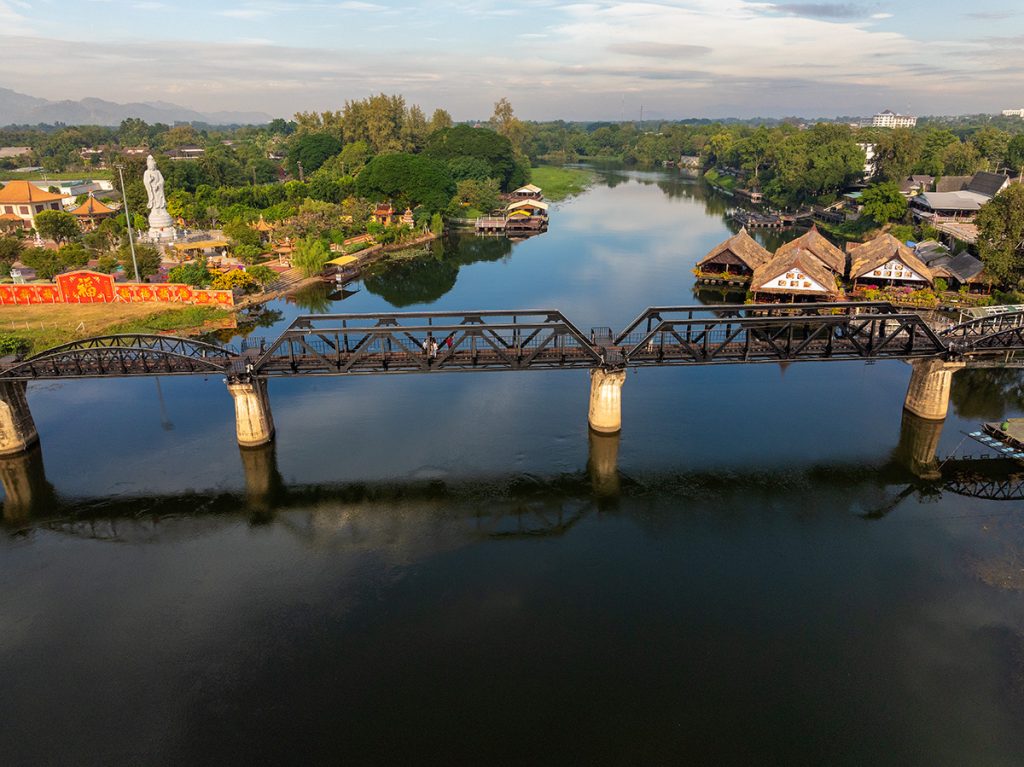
(92,207)
(23,191)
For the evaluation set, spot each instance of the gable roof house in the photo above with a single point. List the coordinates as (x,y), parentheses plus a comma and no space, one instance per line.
(886,260)
(795,275)
(813,241)
(738,256)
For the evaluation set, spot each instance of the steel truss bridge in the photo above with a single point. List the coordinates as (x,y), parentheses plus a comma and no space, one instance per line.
(476,341)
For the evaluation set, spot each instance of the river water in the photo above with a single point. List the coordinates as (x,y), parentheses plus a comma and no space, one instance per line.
(450,569)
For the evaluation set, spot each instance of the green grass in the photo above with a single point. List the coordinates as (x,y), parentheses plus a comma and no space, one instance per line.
(561,183)
(721,181)
(173,319)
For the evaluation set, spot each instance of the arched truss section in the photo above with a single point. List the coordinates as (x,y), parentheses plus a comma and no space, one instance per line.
(1001,489)
(984,326)
(122,355)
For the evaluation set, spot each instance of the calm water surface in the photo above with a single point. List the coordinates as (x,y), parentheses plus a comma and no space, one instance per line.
(450,569)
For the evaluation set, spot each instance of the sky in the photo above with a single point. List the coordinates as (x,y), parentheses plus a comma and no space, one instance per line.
(598,60)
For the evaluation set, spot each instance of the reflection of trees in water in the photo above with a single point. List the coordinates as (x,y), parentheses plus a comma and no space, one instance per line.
(424,279)
(988,393)
(248,324)
(313,298)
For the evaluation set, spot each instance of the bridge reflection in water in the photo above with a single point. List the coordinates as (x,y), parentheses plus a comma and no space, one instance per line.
(517,506)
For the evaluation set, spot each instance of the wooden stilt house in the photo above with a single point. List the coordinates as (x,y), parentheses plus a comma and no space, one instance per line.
(815,243)
(794,276)
(886,261)
(734,259)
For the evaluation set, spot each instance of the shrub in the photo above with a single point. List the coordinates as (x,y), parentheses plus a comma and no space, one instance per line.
(12,345)
(264,275)
(941,286)
(195,274)
(234,279)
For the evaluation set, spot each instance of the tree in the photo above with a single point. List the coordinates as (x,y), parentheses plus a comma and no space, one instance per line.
(1001,234)
(440,120)
(263,274)
(73,255)
(46,263)
(884,202)
(146,255)
(57,225)
(992,144)
(312,150)
(1015,153)
(482,195)
(311,255)
(462,141)
(962,159)
(10,249)
(897,153)
(407,179)
(507,124)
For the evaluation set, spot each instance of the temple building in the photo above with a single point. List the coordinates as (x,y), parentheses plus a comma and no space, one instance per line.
(264,228)
(885,260)
(383,214)
(91,212)
(738,256)
(814,242)
(24,201)
(795,275)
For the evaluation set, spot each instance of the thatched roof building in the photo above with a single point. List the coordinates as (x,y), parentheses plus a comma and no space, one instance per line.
(815,243)
(886,259)
(740,254)
(797,273)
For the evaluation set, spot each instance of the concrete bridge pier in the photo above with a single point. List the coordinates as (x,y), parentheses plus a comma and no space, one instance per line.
(17,429)
(605,415)
(263,482)
(930,383)
(254,423)
(25,486)
(603,464)
(919,445)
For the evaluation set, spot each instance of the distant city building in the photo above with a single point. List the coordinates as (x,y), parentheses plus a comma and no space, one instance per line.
(1013,113)
(889,119)
(870,161)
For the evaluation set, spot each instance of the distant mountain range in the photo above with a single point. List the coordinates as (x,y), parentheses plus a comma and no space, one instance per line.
(19,109)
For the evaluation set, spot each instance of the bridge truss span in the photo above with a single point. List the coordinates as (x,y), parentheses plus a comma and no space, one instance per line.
(751,338)
(425,342)
(121,355)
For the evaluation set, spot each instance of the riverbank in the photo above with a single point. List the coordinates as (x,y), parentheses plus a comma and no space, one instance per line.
(42,327)
(561,183)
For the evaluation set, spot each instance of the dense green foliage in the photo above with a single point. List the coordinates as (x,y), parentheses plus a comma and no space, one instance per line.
(194,273)
(310,256)
(1001,235)
(57,225)
(462,144)
(883,203)
(407,180)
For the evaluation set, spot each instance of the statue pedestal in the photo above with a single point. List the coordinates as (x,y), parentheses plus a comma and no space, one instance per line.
(161,225)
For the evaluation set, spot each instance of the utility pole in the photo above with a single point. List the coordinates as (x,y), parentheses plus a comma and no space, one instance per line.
(128,220)
(302,176)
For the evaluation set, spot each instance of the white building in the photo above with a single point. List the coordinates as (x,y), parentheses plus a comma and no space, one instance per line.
(1013,113)
(889,119)
(870,164)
